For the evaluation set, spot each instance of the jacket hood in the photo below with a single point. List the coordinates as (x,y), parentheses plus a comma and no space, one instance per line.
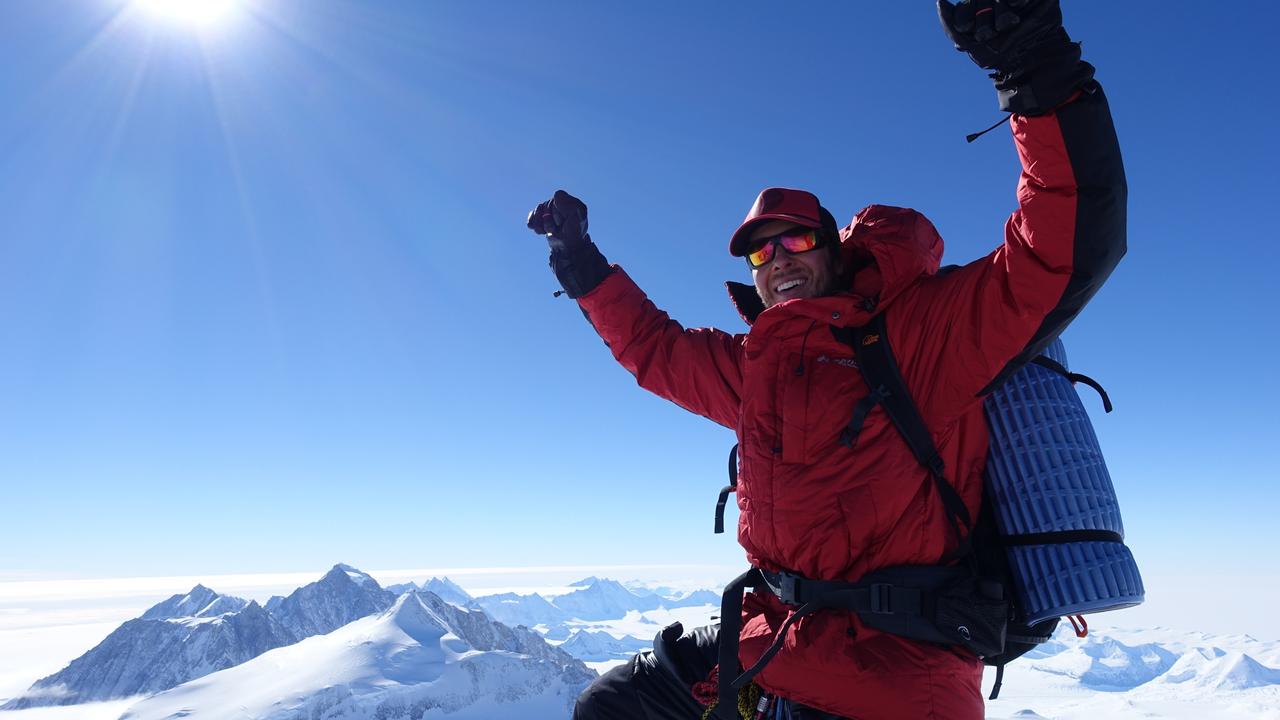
(889,247)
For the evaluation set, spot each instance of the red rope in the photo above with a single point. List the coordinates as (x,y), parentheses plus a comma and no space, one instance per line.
(707,691)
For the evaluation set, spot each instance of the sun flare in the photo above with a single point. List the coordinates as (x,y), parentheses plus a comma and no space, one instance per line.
(192,13)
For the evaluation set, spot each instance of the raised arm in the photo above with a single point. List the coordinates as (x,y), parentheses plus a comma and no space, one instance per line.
(699,369)
(1072,201)
(1068,232)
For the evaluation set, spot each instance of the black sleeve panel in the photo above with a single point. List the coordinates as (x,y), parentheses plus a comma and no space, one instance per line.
(1100,235)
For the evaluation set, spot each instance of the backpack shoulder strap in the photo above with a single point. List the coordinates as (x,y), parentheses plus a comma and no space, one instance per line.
(887,388)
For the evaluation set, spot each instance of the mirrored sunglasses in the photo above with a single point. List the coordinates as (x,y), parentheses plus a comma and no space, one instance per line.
(793,241)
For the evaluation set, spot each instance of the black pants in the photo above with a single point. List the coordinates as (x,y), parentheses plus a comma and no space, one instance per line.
(656,685)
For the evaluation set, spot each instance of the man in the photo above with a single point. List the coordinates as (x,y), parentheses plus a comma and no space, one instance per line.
(814,502)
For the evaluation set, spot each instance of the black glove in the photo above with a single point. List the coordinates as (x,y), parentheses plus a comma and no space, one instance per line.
(1036,66)
(575,260)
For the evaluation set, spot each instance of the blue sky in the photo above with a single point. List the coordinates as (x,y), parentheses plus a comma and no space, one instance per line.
(267,301)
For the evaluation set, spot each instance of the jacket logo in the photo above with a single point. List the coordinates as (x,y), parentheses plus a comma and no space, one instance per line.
(843,362)
(870,340)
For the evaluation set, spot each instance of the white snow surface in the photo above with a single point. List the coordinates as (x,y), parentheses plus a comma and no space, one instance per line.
(1142,673)
(357,576)
(401,663)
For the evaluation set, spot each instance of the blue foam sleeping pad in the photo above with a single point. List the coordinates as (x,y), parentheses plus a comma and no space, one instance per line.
(1045,473)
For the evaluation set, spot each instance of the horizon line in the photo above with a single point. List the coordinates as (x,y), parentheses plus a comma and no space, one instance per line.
(139,585)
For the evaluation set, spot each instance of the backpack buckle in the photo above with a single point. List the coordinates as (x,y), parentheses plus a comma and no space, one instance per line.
(882,598)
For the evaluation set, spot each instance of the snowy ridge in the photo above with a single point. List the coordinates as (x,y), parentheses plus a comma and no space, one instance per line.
(598,646)
(150,655)
(694,599)
(595,600)
(527,610)
(444,588)
(1155,672)
(603,599)
(410,661)
(200,602)
(1105,662)
(447,590)
(343,595)
(191,635)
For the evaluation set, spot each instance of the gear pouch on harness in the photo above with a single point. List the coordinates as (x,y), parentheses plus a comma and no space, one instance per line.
(957,607)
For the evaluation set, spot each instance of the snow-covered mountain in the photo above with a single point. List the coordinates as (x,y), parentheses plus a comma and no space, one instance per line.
(693,599)
(424,657)
(528,610)
(445,588)
(604,599)
(421,658)
(671,597)
(191,635)
(1152,672)
(160,650)
(200,602)
(1222,671)
(448,590)
(598,646)
(595,599)
(1122,660)
(1103,663)
(344,594)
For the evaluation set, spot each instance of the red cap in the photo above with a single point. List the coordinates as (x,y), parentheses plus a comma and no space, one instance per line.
(797,206)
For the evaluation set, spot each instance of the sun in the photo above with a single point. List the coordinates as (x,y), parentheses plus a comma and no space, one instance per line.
(199,14)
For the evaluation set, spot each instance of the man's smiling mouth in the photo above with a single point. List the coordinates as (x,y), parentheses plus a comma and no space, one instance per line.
(788,285)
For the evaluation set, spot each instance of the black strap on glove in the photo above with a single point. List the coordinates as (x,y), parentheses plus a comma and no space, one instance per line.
(1036,65)
(576,261)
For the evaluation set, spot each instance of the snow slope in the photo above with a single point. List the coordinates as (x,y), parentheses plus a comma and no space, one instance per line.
(407,662)
(1148,673)
(187,636)
(156,652)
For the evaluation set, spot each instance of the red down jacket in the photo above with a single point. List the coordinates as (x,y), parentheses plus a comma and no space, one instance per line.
(812,506)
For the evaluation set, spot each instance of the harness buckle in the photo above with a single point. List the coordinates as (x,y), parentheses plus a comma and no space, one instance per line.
(881,598)
(790,588)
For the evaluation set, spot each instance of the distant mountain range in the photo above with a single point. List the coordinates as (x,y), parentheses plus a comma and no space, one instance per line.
(595,599)
(191,636)
(528,610)
(1128,660)
(344,646)
(444,588)
(599,646)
